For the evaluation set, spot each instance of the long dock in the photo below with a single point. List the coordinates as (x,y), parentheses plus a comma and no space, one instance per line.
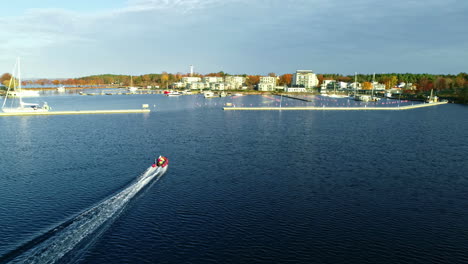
(324,108)
(83,112)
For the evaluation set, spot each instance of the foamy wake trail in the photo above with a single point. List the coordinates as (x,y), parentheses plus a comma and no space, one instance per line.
(64,238)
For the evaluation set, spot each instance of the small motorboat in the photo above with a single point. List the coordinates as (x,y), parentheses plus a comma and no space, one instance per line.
(160,162)
(171,93)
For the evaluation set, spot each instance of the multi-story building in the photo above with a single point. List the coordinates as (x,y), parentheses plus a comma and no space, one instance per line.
(187,80)
(305,78)
(378,86)
(212,79)
(198,86)
(267,83)
(179,85)
(218,86)
(234,82)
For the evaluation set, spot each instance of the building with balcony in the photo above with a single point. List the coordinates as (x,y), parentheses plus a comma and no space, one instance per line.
(267,83)
(218,86)
(187,80)
(198,86)
(305,78)
(212,79)
(234,82)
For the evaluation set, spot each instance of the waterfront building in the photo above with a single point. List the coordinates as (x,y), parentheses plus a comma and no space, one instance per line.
(178,85)
(295,90)
(267,83)
(354,86)
(342,85)
(305,78)
(212,79)
(218,86)
(378,86)
(187,80)
(395,90)
(406,86)
(281,88)
(234,82)
(198,86)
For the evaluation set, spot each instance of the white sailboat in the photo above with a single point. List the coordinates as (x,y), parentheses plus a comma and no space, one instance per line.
(16,104)
(131,88)
(357,96)
(373,97)
(432,98)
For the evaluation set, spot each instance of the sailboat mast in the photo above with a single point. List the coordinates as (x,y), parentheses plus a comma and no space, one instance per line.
(19,83)
(373,83)
(13,75)
(355,82)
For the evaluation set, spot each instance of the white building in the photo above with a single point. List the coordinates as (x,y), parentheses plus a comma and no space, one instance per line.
(342,85)
(234,82)
(378,86)
(295,90)
(212,79)
(218,86)
(198,86)
(267,83)
(179,85)
(354,86)
(305,78)
(187,80)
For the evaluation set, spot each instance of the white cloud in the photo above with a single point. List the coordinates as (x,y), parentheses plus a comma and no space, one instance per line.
(172,34)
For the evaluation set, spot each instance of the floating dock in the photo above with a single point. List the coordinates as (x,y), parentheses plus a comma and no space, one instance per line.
(83,112)
(325,108)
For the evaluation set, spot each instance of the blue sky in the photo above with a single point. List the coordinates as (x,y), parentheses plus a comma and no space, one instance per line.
(66,39)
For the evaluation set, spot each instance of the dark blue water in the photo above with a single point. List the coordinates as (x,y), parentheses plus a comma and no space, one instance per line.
(242,187)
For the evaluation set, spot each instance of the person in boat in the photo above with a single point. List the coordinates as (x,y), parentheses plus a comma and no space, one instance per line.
(160,162)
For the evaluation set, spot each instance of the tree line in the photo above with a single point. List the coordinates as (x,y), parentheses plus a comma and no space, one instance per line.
(424,82)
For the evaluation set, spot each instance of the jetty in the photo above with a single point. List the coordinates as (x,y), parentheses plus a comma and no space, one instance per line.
(325,108)
(296,98)
(79,112)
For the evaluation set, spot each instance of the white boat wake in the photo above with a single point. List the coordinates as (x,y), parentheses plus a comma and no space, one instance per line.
(75,233)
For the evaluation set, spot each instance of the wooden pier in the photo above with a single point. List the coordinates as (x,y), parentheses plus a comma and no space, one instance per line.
(83,112)
(325,108)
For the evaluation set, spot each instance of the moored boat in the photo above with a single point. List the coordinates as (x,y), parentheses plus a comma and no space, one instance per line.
(16,105)
(208,94)
(172,93)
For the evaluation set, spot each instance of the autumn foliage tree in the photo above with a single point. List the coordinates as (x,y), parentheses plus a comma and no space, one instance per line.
(390,81)
(5,78)
(367,85)
(285,79)
(252,80)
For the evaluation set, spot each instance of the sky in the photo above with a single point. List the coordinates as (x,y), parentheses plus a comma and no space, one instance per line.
(69,39)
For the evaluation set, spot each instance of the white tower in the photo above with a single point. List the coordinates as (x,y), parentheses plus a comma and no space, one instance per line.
(191,70)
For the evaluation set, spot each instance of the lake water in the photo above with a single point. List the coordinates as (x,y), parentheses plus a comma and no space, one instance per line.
(242,186)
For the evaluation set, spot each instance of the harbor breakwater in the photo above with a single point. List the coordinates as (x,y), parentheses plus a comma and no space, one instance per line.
(84,112)
(324,108)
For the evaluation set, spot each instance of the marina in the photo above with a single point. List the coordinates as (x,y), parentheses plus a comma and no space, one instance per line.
(78,159)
